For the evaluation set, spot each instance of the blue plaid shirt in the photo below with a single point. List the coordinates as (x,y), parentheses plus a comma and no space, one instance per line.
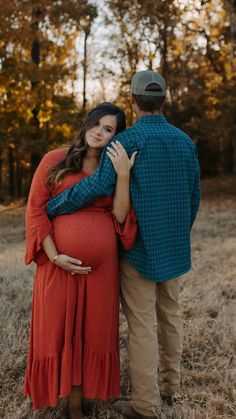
(165,192)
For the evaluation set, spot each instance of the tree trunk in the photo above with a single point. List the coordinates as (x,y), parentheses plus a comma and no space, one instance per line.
(35,56)
(164,51)
(19,176)
(86,34)
(233,42)
(233,29)
(1,178)
(11,172)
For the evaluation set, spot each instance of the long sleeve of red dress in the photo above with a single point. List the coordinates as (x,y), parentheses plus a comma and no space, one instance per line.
(38,226)
(127,232)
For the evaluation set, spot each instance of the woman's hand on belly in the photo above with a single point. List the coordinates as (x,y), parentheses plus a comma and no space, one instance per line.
(72,265)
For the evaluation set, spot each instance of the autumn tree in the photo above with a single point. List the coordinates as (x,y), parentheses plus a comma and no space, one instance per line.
(37,41)
(191,44)
(205,106)
(147,32)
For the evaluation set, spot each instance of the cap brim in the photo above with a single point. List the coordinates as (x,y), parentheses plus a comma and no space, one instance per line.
(148,93)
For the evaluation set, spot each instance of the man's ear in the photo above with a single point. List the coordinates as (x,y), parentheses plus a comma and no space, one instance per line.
(132,99)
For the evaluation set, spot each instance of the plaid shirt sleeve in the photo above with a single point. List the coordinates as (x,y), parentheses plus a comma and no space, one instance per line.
(102,182)
(196,193)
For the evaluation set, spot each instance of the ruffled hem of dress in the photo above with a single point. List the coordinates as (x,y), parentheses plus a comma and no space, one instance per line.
(101,374)
(42,382)
(51,378)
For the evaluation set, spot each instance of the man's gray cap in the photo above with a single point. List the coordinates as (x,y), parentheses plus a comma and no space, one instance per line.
(148,83)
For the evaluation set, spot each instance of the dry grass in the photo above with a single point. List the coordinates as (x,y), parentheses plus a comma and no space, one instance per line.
(209,307)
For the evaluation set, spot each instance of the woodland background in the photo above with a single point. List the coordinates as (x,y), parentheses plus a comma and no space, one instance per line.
(60,58)
(57,60)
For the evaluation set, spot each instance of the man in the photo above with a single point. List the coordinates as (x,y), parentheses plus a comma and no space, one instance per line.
(165,191)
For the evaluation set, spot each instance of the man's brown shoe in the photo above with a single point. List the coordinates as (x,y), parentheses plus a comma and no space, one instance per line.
(170,400)
(127,411)
(167,400)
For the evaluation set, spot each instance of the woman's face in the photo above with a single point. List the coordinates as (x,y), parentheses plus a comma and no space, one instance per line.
(100,135)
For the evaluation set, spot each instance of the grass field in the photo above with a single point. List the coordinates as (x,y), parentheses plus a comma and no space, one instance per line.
(209,314)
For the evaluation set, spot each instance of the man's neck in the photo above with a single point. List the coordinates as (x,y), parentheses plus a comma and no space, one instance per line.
(140,113)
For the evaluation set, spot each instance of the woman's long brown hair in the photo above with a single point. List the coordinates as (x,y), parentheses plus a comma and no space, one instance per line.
(72,162)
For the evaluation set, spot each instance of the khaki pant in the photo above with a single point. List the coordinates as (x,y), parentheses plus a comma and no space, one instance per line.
(155,337)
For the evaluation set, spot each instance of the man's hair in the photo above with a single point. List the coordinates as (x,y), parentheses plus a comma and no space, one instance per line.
(149,103)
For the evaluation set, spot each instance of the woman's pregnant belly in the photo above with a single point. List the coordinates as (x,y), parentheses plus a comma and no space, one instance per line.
(89,236)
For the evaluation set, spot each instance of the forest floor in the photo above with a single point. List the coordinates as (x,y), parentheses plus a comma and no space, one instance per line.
(208,298)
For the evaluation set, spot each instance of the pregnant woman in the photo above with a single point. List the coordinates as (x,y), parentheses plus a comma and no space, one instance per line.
(74,339)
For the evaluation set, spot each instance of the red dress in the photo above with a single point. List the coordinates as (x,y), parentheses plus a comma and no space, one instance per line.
(74,336)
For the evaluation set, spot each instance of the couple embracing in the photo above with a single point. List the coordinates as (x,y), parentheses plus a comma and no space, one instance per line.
(111,217)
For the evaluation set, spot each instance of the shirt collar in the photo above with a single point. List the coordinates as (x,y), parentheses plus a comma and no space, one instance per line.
(152,119)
